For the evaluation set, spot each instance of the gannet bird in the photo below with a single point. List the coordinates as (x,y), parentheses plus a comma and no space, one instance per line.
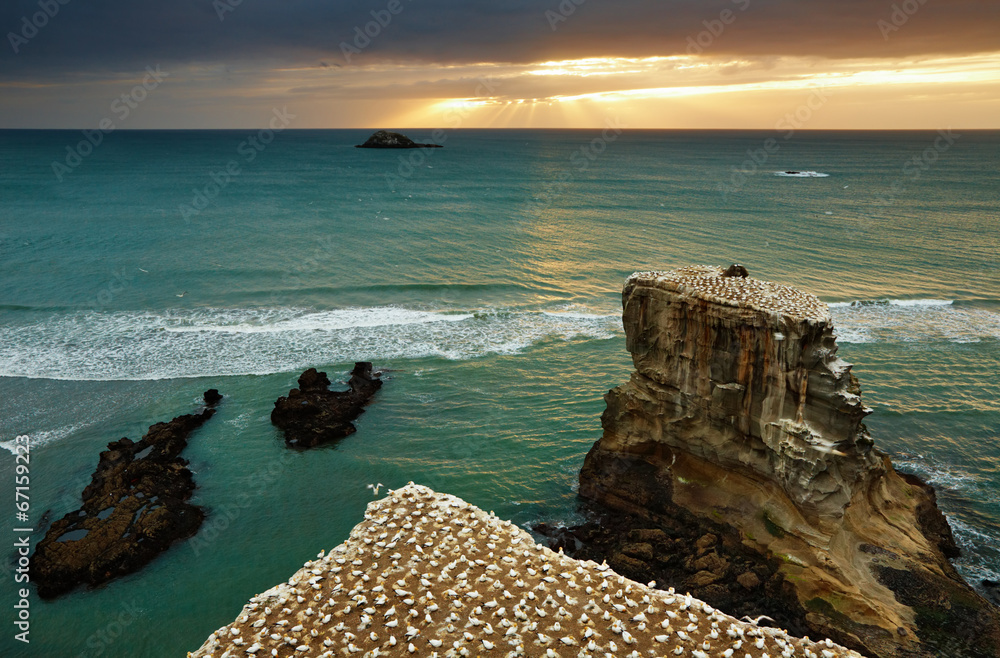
(756,620)
(374,488)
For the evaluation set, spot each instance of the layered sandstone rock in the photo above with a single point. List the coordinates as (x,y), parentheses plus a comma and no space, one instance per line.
(740,413)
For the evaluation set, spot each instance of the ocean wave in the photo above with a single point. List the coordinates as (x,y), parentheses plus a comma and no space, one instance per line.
(269,321)
(893,302)
(220,342)
(976,536)
(801,174)
(580,316)
(936,473)
(913,320)
(39,439)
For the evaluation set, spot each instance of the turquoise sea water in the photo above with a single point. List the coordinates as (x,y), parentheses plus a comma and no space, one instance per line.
(485,279)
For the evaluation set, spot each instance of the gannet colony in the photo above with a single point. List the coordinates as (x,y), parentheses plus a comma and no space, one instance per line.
(720,286)
(428,574)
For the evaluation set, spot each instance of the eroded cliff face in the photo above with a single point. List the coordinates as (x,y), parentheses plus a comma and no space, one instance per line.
(741,413)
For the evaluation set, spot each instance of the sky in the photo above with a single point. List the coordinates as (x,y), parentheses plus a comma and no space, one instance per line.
(740,64)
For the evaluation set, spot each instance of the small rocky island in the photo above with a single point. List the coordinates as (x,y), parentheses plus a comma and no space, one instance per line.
(133,509)
(384,139)
(313,414)
(735,465)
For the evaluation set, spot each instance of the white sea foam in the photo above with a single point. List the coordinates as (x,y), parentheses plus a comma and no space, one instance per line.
(801,174)
(912,320)
(218,342)
(579,316)
(268,321)
(921,302)
(936,473)
(893,302)
(977,541)
(39,439)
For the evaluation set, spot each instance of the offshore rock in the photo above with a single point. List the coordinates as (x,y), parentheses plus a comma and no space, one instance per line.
(313,414)
(740,414)
(384,139)
(133,509)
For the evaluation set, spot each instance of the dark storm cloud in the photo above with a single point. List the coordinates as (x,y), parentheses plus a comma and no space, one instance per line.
(93,36)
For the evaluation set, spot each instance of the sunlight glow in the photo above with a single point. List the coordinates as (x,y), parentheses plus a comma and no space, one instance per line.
(592,66)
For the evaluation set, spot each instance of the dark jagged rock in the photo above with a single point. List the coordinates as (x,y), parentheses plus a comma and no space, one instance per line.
(679,550)
(313,414)
(384,139)
(736,270)
(992,589)
(133,509)
(212,397)
(740,415)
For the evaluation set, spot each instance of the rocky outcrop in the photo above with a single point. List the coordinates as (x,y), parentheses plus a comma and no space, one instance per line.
(133,509)
(992,589)
(427,574)
(313,414)
(692,554)
(384,139)
(740,414)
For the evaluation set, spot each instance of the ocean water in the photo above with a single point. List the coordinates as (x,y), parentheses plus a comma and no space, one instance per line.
(484,278)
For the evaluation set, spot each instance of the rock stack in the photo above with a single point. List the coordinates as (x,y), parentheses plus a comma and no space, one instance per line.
(740,414)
